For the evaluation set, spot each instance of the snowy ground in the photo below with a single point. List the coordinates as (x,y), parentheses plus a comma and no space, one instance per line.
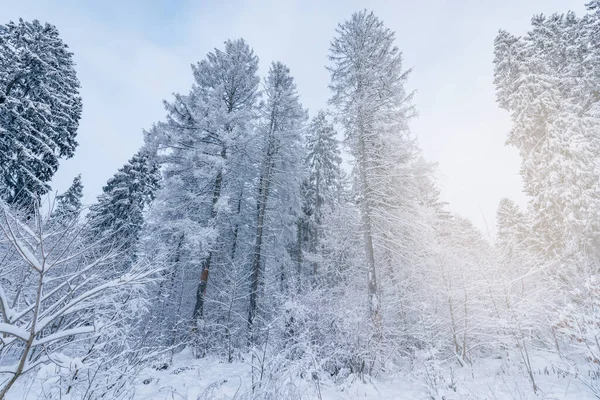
(192,379)
(210,379)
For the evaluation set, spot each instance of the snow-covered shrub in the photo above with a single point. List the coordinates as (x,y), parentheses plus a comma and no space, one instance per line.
(69,308)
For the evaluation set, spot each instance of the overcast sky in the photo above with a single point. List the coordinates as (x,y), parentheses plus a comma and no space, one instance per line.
(132,54)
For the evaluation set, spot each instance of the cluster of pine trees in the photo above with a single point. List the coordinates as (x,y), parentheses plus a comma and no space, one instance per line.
(235,230)
(548,81)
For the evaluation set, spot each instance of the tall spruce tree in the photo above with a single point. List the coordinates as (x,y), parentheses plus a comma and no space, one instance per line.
(323,161)
(323,186)
(279,177)
(227,83)
(69,204)
(40,108)
(116,220)
(367,81)
(204,150)
(512,233)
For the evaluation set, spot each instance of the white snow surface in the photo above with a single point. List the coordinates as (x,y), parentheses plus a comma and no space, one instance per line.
(208,378)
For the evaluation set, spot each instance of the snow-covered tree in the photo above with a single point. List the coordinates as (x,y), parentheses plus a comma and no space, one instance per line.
(323,161)
(69,204)
(547,80)
(40,108)
(543,79)
(512,231)
(67,310)
(278,189)
(226,82)
(204,209)
(367,81)
(324,183)
(117,218)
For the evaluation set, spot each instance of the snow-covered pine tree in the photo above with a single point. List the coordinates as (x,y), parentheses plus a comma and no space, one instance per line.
(547,80)
(367,81)
(323,186)
(227,83)
(543,79)
(116,220)
(69,204)
(512,231)
(278,192)
(204,208)
(205,135)
(40,108)
(323,162)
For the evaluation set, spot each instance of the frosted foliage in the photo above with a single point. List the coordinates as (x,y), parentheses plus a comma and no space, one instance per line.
(40,108)
(543,79)
(252,249)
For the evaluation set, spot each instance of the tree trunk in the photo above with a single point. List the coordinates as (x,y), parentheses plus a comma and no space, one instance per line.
(299,255)
(32,335)
(199,306)
(256,261)
(374,303)
(314,232)
(172,277)
(261,207)
(237,226)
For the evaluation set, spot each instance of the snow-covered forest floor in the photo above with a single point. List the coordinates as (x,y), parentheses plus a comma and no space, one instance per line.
(190,378)
(208,379)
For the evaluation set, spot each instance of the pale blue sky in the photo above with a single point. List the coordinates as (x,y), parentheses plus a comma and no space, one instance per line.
(133,54)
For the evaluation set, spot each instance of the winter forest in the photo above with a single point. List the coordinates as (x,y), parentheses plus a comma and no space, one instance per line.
(255,249)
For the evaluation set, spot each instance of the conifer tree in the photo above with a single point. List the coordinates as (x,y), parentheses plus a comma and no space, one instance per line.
(118,216)
(40,108)
(280,171)
(203,212)
(227,84)
(323,186)
(69,204)
(323,162)
(512,232)
(367,81)
(545,80)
